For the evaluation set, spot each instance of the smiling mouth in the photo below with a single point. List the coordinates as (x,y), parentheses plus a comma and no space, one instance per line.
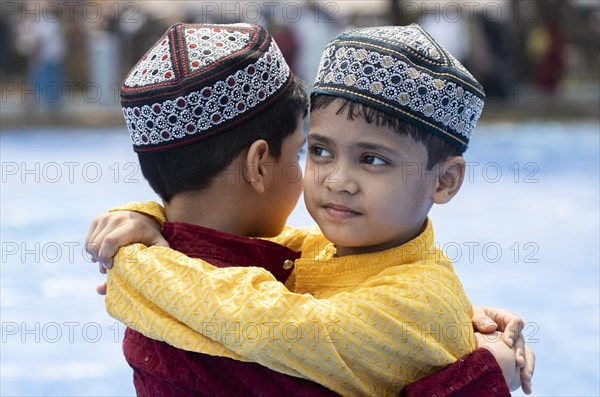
(339,212)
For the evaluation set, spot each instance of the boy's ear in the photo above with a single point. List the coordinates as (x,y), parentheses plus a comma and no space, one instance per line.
(254,169)
(449,180)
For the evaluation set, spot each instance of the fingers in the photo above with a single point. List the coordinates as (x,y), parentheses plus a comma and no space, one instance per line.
(528,370)
(508,323)
(514,326)
(113,230)
(101,289)
(91,236)
(125,234)
(519,348)
(92,228)
(482,322)
(95,238)
(113,240)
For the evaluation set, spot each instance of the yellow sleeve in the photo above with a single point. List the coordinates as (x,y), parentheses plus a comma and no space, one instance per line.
(373,341)
(290,237)
(150,208)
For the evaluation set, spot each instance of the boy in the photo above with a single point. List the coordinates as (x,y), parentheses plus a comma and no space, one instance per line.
(407,292)
(208,108)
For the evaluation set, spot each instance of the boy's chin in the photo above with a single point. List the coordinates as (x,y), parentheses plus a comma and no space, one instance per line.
(342,238)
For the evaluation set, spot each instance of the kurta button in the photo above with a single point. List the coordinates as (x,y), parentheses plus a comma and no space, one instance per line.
(288,264)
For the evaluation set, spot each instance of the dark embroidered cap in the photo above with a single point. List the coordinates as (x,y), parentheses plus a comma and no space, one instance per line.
(198,80)
(403,71)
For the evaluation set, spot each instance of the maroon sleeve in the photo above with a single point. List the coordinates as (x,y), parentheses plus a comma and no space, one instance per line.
(476,374)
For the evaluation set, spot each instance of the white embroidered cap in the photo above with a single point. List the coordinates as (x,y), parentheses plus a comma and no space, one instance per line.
(198,80)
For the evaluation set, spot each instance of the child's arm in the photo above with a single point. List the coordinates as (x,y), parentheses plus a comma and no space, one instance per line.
(138,222)
(132,223)
(368,342)
(487,319)
(499,364)
(476,374)
(125,226)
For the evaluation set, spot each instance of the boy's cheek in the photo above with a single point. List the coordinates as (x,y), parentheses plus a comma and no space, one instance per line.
(314,172)
(309,194)
(309,177)
(308,166)
(312,185)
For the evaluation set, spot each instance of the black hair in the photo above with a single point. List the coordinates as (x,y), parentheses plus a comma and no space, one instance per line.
(194,166)
(438,149)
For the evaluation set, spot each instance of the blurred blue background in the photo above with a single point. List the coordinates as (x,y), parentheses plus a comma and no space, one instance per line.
(523,232)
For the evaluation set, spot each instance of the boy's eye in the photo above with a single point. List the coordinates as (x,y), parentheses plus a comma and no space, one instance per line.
(374,160)
(320,152)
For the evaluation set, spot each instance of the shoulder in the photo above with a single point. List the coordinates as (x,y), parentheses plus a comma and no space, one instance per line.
(426,284)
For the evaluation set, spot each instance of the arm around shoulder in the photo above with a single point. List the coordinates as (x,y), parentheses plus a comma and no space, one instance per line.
(361,342)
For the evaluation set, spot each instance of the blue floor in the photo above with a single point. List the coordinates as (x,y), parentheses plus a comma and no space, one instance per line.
(523,233)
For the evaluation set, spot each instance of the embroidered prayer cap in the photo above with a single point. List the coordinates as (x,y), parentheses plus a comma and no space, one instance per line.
(404,72)
(199,80)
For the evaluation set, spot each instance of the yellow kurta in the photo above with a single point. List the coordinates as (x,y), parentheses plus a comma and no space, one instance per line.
(365,324)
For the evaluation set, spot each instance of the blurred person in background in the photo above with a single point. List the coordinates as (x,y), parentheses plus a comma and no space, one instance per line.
(42,41)
(545,44)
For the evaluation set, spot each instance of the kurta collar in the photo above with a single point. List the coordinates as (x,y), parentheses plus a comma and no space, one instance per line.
(325,269)
(224,249)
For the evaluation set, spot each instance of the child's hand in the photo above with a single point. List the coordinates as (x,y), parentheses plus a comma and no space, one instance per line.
(527,370)
(113,230)
(490,319)
(504,355)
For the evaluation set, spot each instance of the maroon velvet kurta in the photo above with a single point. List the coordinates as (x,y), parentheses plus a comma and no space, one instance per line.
(474,375)
(160,369)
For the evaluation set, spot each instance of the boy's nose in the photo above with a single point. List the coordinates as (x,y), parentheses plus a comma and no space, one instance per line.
(341,179)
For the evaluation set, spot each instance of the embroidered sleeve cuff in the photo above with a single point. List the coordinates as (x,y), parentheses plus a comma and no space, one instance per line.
(150,208)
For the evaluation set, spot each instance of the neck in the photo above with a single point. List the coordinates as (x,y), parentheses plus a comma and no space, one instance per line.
(401,240)
(215,208)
